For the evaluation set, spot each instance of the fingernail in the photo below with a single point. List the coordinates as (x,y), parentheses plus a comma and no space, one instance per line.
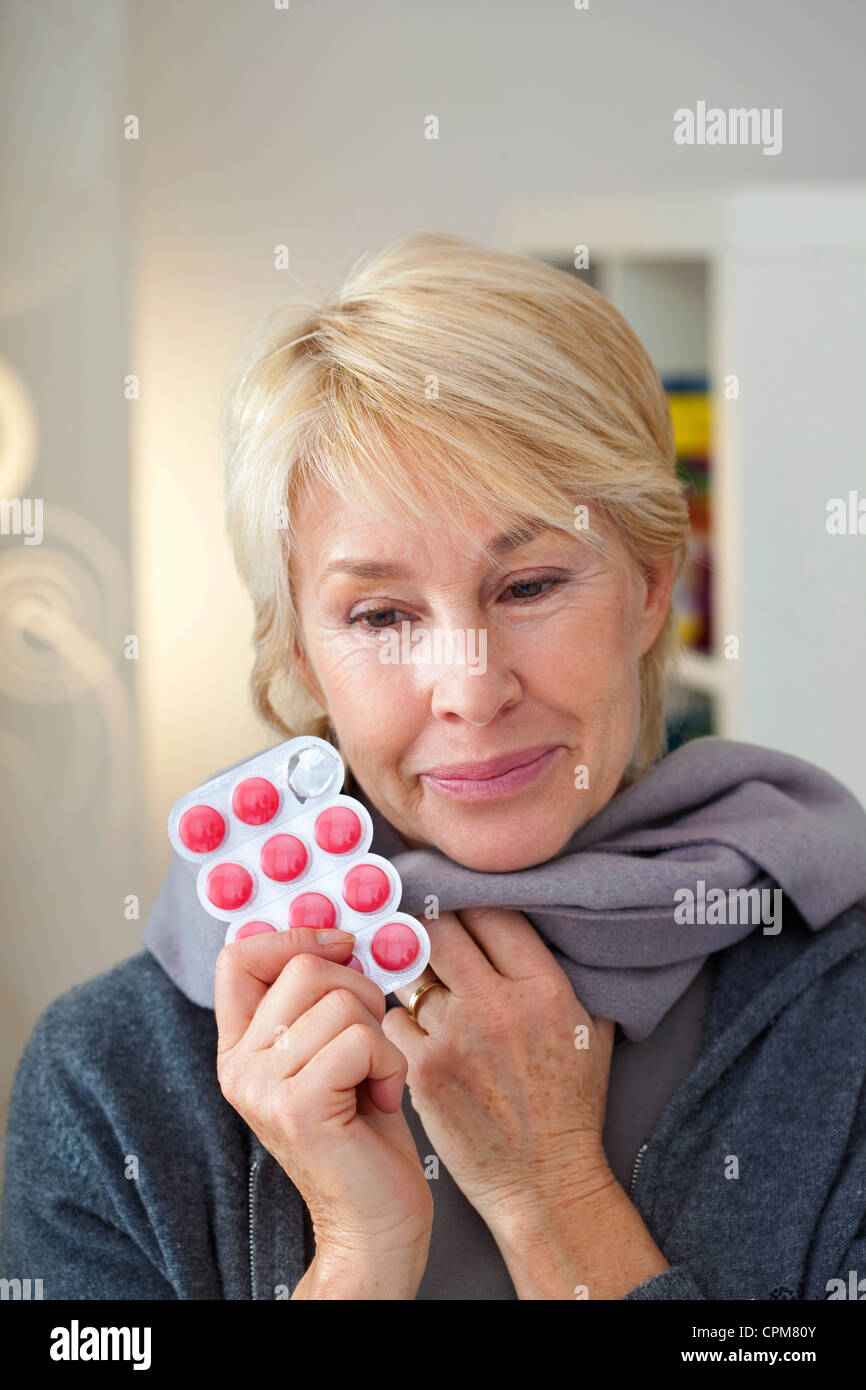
(334,938)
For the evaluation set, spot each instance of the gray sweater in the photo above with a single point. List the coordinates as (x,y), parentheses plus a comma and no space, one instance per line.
(130,1176)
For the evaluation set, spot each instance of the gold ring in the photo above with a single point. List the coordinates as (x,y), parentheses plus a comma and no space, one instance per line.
(422,989)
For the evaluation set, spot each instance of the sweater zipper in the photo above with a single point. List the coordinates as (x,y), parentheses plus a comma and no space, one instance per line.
(643,1148)
(251,1210)
(637,1163)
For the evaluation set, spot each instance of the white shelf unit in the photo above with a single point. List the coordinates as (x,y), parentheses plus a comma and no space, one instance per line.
(767,284)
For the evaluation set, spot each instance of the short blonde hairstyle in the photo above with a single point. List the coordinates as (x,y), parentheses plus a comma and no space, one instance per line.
(522,392)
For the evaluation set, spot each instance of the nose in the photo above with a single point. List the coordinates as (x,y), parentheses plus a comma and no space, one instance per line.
(471,678)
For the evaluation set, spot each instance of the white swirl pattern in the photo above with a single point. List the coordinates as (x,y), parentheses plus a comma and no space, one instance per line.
(63,615)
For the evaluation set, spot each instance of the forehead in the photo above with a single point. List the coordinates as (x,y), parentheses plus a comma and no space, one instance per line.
(335,534)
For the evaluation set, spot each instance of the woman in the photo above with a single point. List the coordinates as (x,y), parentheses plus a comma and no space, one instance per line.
(639,1041)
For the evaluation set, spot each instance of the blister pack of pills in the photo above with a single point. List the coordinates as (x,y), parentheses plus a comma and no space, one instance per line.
(279,846)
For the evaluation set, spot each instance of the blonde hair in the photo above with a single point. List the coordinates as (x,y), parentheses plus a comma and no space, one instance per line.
(520,389)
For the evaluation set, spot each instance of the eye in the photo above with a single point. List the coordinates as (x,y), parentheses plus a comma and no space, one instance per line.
(377,613)
(523,584)
(379,619)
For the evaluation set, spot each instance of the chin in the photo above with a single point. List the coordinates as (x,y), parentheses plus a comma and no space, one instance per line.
(505,856)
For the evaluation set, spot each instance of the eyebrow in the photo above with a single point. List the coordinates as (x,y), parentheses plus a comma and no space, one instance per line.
(500,546)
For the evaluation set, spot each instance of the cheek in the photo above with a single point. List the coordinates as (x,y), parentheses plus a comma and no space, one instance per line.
(363,691)
(588,656)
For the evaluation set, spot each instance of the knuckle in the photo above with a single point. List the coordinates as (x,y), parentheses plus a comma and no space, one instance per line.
(233,1084)
(360,1034)
(305,966)
(345,1003)
(228,1072)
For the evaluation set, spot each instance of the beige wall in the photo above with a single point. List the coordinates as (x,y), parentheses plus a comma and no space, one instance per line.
(71,785)
(260,127)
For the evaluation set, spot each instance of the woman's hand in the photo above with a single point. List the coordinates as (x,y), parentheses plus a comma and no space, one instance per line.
(303,1059)
(515,1106)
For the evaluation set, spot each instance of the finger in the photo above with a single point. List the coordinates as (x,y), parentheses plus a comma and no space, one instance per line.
(357,1054)
(391,1125)
(363,1102)
(405,992)
(246,970)
(508,940)
(457,960)
(297,1045)
(303,982)
(408,1034)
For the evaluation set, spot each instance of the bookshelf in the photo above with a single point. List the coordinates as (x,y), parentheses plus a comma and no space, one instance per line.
(757,293)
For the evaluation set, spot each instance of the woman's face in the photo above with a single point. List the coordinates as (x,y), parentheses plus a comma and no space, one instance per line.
(550,637)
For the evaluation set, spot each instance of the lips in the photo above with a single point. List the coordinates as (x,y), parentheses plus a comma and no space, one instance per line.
(493,767)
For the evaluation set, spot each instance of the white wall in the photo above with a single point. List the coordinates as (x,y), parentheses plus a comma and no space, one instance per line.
(801,427)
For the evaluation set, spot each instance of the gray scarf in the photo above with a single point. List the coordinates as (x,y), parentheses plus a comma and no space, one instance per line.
(614,905)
